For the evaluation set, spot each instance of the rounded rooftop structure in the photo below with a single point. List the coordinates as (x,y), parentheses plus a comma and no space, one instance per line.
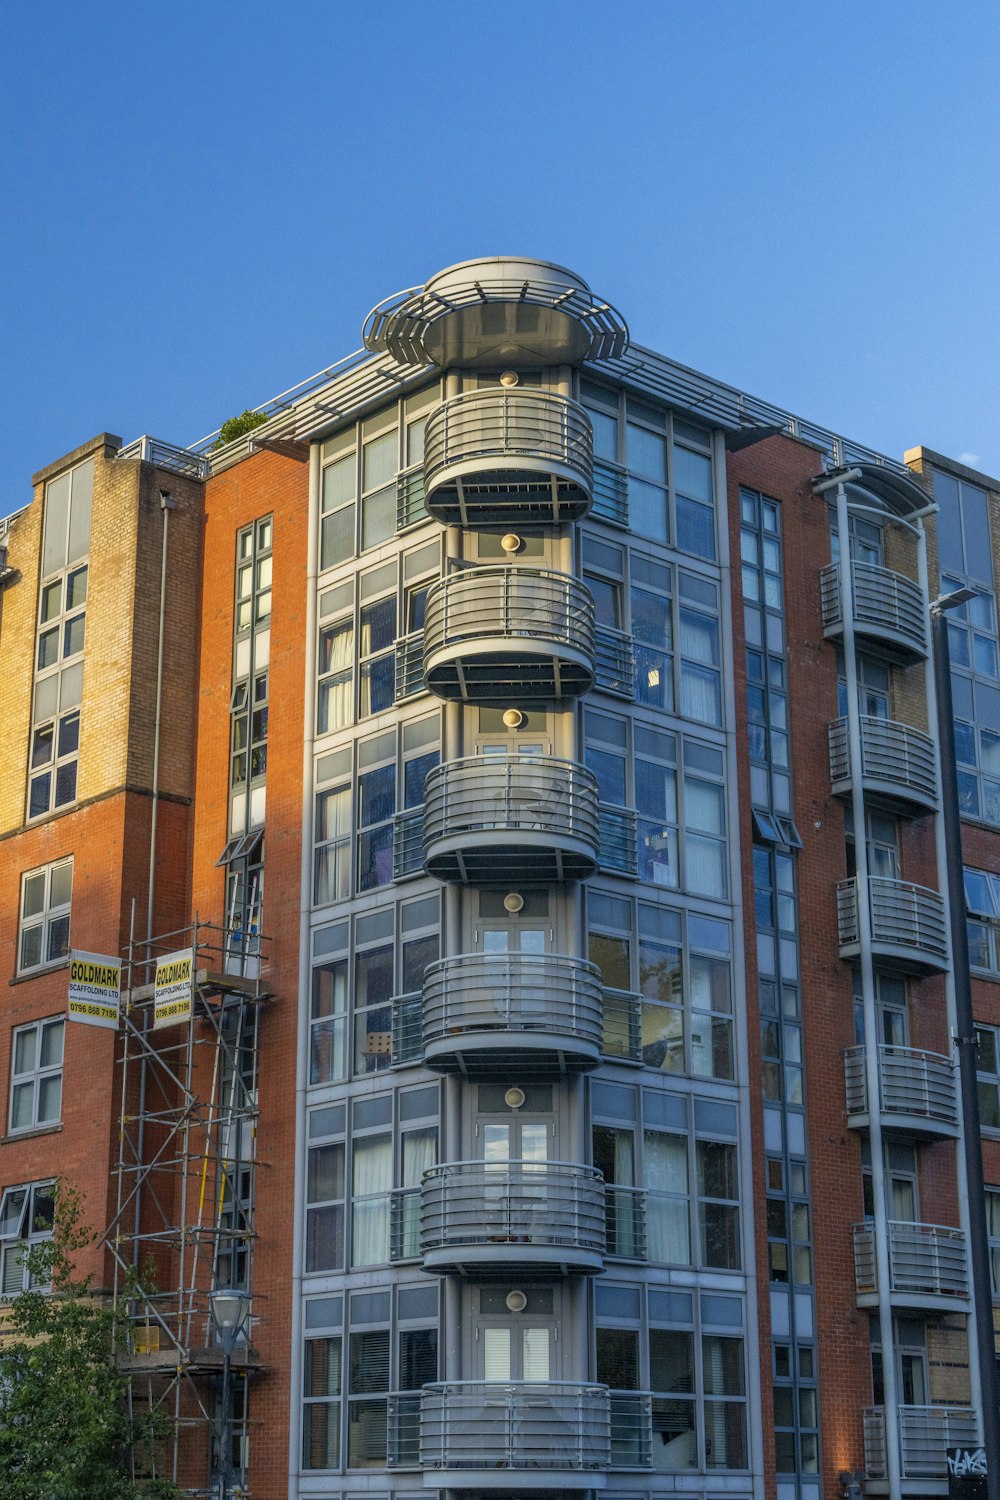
(498,312)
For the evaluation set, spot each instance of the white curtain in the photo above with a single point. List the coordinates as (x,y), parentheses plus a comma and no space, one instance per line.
(372,1175)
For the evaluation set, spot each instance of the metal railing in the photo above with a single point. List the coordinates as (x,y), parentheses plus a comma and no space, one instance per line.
(403,323)
(892,753)
(883,601)
(528,452)
(925,1432)
(404,1224)
(614,661)
(410,501)
(903,916)
(150,450)
(528,607)
(511,1204)
(622,1025)
(539,1425)
(409,665)
(512,992)
(610,493)
(625,1219)
(513,799)
(911,1083)
(617,840)
(407,1011)
(926,1259)
(408,843)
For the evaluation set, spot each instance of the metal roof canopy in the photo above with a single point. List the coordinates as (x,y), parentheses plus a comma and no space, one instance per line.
(497,312)
(893,489)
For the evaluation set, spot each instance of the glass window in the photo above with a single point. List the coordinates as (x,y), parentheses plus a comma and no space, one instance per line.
(36,1074)
(46,896)
(27,1215)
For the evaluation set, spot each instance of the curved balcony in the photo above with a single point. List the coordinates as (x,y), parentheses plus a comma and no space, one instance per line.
(509,636)
(917,1091)
(925,1435)
(483,1218)
(485,1012)
(510,821)
(897,765)
(908,925)
(508,457)
(928,1266)
(502,312)
(890,611)
(515,1435)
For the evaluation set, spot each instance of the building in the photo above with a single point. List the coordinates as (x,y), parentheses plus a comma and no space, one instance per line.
(556,826)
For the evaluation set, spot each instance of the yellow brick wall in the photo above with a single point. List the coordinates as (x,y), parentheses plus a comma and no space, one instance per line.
(107,660)
(18,606)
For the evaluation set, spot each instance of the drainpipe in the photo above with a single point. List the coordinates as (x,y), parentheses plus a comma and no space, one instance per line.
(863,906)
(166,506)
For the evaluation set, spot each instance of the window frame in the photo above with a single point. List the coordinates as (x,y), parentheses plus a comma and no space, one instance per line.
(27,1234)
(37,1075)
(44,918)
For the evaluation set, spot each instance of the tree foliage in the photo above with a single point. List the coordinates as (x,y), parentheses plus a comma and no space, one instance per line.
(65,1428)
(235,427)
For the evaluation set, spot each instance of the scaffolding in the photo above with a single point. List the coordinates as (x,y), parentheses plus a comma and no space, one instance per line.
(183,1222)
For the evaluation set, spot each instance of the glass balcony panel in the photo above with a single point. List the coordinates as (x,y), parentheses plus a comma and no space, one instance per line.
(530,820)
(503,635)
(508,457)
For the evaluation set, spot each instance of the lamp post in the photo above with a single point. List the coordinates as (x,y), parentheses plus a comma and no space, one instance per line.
(230,1306)
(965,1038)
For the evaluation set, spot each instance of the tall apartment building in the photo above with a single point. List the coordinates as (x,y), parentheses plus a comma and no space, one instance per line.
(534,742)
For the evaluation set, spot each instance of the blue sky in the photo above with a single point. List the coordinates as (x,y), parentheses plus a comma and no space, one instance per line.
(204,199)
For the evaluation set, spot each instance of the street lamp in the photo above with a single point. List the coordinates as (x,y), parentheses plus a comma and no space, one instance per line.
(965,1037)
(230,1306)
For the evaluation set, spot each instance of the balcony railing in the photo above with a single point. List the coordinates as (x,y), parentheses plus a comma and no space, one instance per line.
(482,1009)
(625,1217)
(925,1260)
(615,662)
(410,665)
(407,1012)
(534,1430)
(907,924)
(925,1432)
(404,1224)
(521,1212)
(917,1089)
(618,853)
(532,820)
(622,1026)
(897,763)
(509,635)
(889,608)
(408,843)
(410,506)
(508,457)
(610,494)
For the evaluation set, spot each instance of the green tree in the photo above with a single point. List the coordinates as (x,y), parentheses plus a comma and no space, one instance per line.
(65,1428)
(235,427)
